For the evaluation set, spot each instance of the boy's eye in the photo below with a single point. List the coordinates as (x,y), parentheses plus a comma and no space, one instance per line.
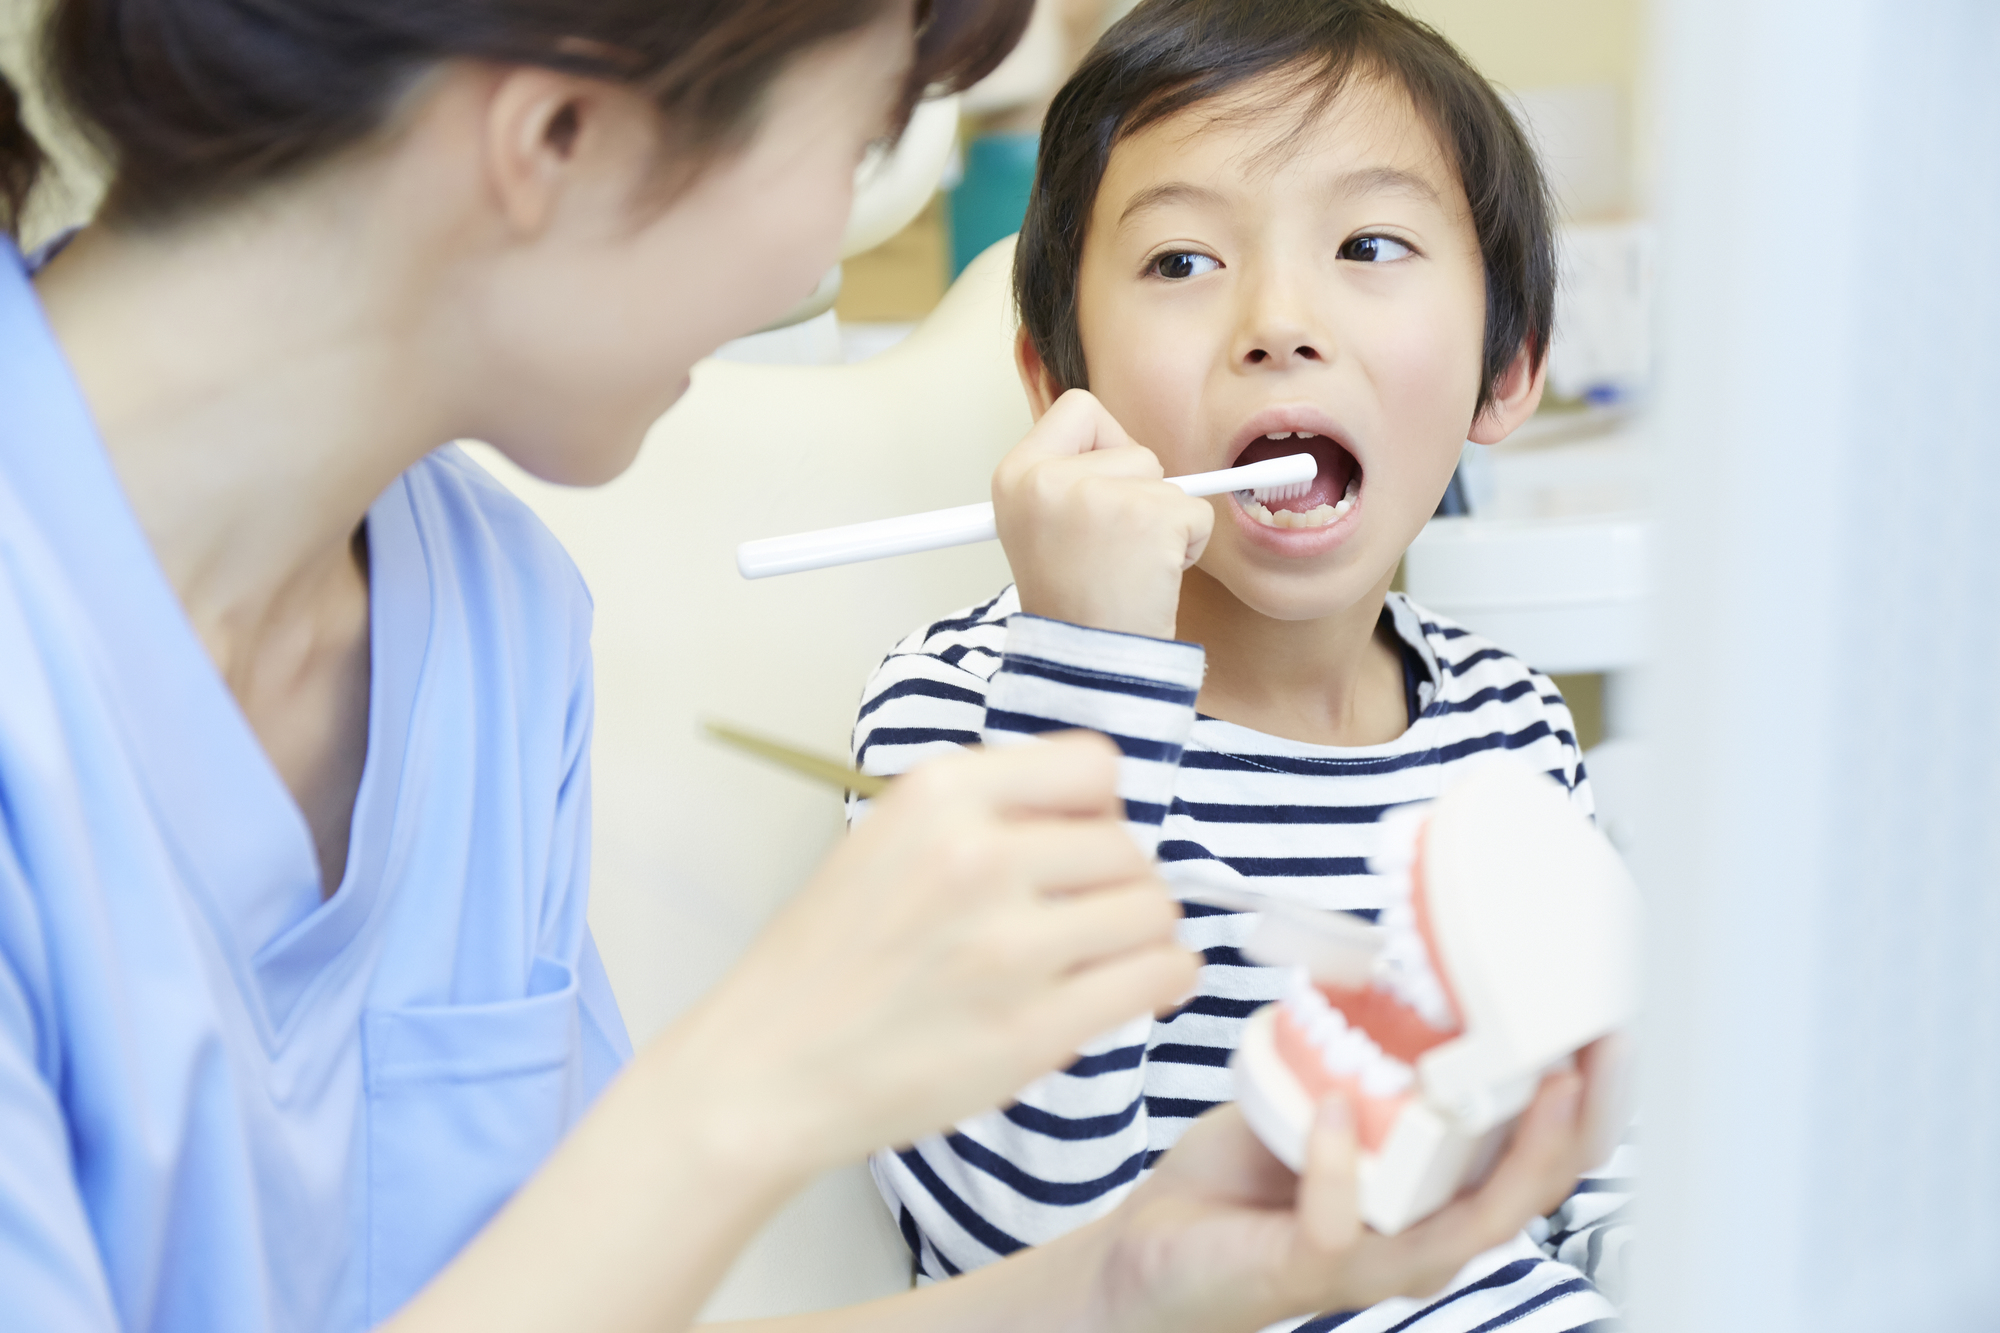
(1374,250)
(1184,264)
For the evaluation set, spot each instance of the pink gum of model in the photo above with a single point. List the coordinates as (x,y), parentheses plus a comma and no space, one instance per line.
(1529,922)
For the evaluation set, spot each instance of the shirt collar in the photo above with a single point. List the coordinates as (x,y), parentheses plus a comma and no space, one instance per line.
(238,836)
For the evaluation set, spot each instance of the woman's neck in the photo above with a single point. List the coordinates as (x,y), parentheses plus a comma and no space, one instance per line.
(256,385)
(1337,680)
(258,379)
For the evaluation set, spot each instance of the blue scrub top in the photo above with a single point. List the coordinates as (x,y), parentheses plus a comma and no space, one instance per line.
(226,1104)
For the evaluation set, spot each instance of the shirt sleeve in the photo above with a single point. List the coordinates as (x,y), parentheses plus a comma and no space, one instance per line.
(1561,724)
(566,928)
(1073,1143)
(51,1273)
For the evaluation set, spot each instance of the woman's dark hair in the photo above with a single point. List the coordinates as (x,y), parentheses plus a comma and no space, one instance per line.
(20,160)
(194,99)
(1169,55)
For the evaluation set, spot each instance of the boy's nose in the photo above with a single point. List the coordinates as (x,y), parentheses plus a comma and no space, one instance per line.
(1278,334)
(1279,353)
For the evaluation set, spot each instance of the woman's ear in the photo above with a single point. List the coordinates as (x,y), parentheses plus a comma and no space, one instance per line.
(1515,397)
(539,124)
(1039,384)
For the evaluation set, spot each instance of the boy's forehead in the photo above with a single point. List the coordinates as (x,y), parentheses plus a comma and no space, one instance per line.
(1272,132)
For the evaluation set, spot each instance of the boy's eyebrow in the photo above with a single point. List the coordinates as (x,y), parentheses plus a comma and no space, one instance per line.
(1364,180)
(1386,180)
(1171,192)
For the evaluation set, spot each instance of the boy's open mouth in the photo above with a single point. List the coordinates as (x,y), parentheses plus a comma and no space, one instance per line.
(1331,493)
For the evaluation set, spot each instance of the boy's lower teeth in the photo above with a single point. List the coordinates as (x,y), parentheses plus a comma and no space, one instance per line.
(1317,517)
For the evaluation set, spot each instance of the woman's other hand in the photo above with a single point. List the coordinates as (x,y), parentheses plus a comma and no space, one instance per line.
(1223,1236)
(1093,534)
(990,915)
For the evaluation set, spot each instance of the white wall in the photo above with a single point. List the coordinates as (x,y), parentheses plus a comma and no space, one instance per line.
(1822,1121)
(695,846)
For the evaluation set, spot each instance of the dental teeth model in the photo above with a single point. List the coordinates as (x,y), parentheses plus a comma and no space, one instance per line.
(1509,941)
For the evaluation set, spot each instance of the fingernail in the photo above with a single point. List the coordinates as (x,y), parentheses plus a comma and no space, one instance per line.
(1335,1114)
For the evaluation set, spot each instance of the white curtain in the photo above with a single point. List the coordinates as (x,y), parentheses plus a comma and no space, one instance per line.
(1822,1094)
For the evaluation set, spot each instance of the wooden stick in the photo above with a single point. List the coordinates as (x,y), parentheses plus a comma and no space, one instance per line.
(818,767)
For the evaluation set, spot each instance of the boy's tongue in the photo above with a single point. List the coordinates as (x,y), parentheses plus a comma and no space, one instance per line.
(1336,468)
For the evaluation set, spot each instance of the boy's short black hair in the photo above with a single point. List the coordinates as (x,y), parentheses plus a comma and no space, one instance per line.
(1168,55)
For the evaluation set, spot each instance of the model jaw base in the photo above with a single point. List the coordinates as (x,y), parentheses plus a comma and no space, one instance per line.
(1530,922)
(1421,1165)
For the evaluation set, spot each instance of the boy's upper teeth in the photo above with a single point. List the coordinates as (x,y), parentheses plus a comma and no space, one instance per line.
(1287,434)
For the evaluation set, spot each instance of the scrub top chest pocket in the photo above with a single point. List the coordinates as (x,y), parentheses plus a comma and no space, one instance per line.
(464,1102)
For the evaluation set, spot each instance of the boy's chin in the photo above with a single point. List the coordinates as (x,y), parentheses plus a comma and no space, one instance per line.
(1298,595)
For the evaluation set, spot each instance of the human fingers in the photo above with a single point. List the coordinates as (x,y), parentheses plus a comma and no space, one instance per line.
(1606,1065)
(1076,423)
(1093,536)
(1222,1158)
(1079,931)
(1098,996)
(1538,1168)
(1066,773)
(1111,462)
(1551,1148)
(1329,1201)
(1067,856)
(1103,552)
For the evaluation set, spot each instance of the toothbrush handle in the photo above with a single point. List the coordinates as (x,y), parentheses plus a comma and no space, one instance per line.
(1271,472)
(866,541)
(964,525)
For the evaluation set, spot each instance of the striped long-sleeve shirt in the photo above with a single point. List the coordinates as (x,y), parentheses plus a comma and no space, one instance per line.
(1294,819)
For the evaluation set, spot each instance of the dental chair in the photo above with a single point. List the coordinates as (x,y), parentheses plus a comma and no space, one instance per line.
(695,846)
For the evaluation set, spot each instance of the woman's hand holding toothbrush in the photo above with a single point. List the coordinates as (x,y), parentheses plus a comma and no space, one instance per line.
(1094,535)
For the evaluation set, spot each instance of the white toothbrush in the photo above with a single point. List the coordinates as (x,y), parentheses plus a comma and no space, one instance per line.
(1284,478)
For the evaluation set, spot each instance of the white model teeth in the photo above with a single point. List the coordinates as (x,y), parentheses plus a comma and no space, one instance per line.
(1344,1049)
(1404,967)
(1316,517)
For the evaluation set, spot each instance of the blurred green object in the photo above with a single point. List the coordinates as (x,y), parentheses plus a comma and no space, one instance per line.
(991,200)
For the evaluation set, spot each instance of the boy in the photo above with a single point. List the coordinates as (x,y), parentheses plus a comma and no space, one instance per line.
(1258,228)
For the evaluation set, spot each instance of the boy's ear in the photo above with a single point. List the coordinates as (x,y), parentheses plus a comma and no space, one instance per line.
(1040,385)
(1515,398)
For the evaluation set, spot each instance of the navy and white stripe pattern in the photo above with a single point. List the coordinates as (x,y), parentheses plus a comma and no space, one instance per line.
(1294,819)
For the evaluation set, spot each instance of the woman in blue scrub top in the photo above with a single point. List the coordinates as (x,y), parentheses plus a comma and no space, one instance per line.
(301,1025)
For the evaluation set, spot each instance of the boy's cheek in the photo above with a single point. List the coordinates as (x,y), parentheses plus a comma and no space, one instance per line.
(1151,382)
(1426,360)
(1428,387)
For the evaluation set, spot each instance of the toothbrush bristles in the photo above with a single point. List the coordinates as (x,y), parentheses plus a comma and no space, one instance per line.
(1264,495)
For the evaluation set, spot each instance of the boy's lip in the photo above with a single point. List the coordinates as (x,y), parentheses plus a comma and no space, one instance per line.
(1294,418)
(1297,543)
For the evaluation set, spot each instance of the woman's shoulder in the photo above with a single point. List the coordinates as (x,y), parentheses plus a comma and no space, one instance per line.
(488,537)
(462,561)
